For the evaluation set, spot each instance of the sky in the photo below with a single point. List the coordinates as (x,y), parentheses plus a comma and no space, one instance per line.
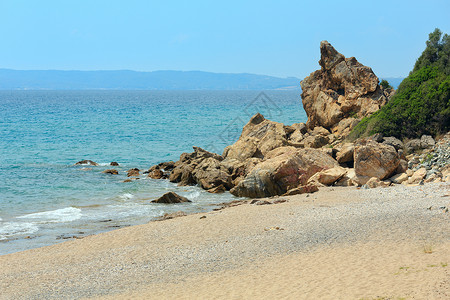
(278,38)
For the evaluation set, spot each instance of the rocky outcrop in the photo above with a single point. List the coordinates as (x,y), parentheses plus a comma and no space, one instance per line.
(170,198)
(341,92)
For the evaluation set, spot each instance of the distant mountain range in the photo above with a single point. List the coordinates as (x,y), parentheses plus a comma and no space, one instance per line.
(132,80)
(156,80)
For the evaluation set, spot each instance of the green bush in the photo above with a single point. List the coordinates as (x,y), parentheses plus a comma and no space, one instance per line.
(385,84)
(421,104)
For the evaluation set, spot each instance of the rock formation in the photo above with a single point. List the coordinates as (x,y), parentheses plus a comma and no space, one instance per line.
(170,198)
(341,92)
(271,158)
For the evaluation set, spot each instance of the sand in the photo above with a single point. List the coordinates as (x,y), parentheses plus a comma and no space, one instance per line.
(339,243)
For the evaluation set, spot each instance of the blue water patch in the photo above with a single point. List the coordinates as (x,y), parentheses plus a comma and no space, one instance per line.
(43,133)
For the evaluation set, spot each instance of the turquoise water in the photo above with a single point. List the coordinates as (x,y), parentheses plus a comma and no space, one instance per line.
(45,199)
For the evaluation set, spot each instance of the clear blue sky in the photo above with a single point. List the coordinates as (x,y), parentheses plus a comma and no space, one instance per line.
(279,38)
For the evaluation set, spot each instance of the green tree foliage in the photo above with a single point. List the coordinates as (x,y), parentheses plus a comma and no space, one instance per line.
(422,102)
(385,84)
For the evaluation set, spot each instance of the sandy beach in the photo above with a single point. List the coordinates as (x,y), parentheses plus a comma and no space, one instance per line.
(338,243)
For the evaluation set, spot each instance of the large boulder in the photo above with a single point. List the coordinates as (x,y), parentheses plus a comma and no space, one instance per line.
(373,159)
(277,175)
(342,88)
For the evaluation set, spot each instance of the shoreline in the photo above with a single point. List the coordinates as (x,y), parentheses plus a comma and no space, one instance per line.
(142,260)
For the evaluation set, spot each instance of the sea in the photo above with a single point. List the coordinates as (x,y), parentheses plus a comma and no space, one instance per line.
(46,199)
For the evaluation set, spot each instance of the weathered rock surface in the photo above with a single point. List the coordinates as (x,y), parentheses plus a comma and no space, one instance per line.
(342,88)
(373,159)
(114,164)
(281,173)
(170,198)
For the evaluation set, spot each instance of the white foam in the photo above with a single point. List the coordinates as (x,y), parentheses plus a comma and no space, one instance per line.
(193,195)
(126,196)
(104,164)
(67,214)
(10,229)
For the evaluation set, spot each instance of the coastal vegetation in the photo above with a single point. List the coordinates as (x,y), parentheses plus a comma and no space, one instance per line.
(421,104)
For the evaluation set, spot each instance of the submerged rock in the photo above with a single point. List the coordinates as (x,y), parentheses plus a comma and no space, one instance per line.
(111,171)
(170,198)
(87,162)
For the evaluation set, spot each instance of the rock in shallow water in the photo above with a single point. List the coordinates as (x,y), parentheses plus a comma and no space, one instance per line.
(170,198)
(111,171)
(87,162)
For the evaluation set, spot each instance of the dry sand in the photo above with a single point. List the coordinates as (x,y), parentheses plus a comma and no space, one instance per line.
(339,243)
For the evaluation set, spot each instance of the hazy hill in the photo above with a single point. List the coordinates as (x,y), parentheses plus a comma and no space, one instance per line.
(157,80)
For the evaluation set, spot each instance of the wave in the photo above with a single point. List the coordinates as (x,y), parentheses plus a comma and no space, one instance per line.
(67,214)
(193,195)
(10,229)
(126,196)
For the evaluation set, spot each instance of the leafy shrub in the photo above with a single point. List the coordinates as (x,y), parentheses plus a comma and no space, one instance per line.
(422,102)
(385,84)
